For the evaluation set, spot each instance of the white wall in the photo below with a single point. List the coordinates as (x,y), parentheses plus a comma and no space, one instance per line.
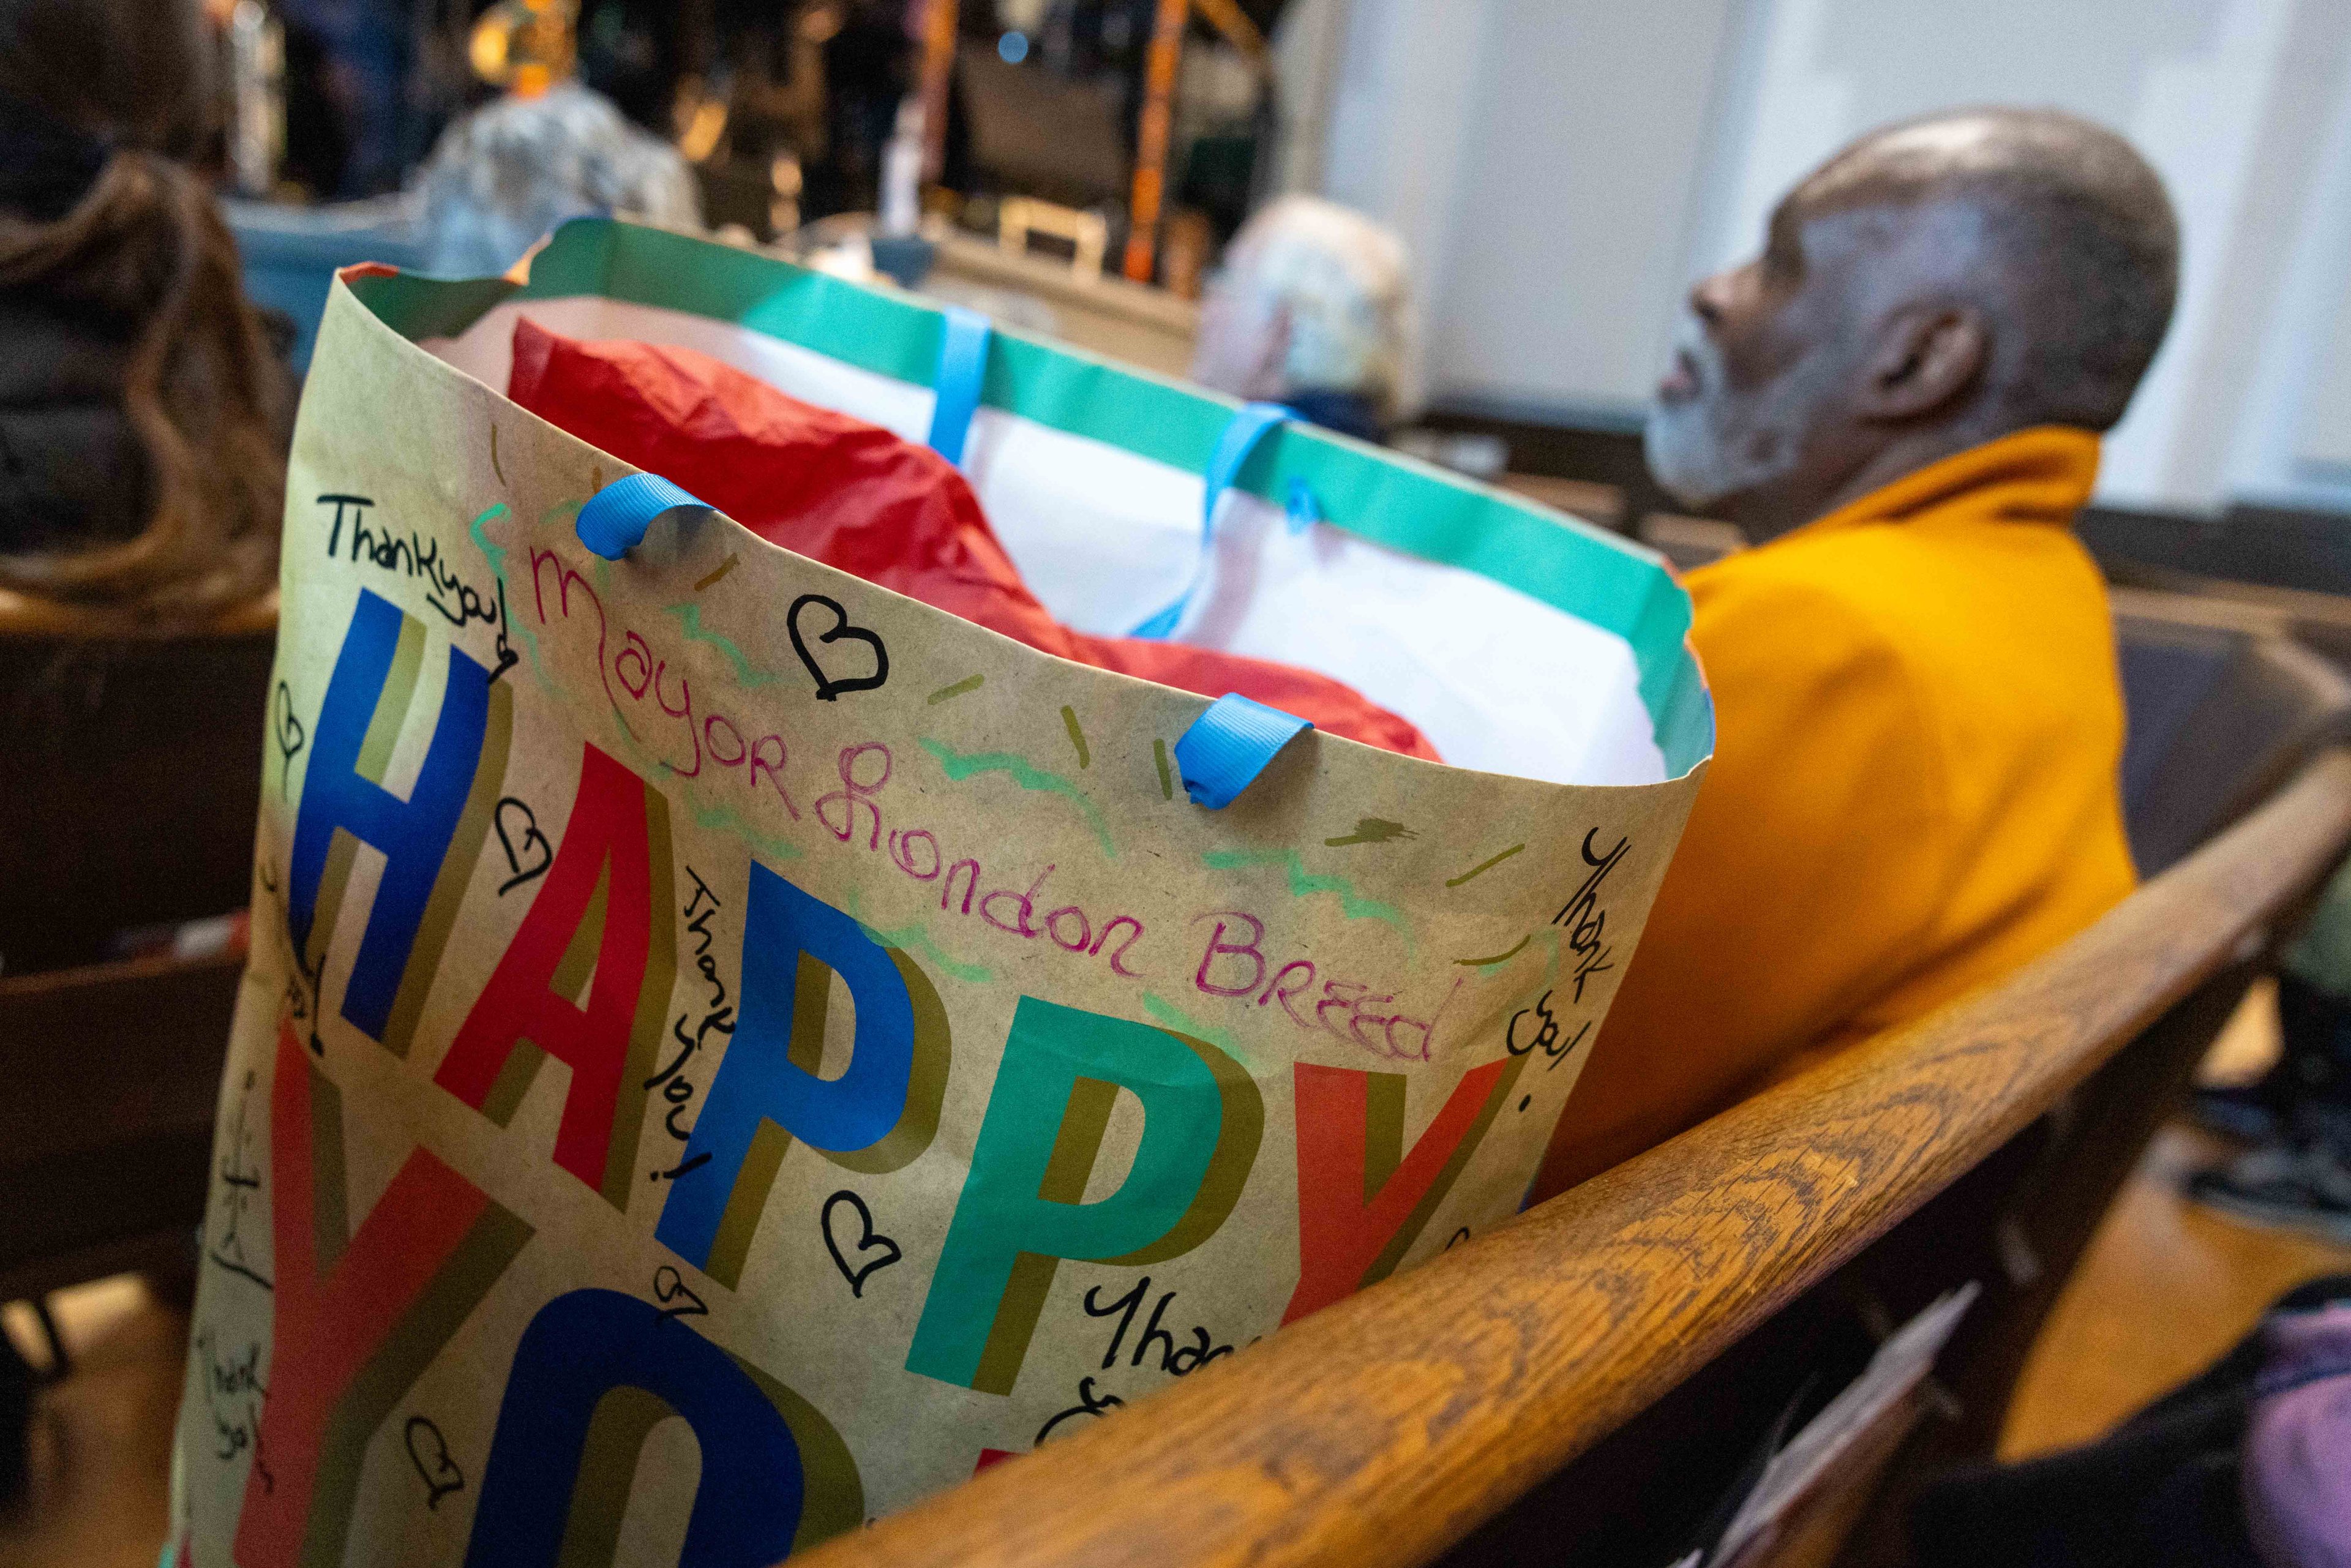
(1398,123)
(2325,431)
(2292,443)
(1586,137)
(1540,157)
(1563,168)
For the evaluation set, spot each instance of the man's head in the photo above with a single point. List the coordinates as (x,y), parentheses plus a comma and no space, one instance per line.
(1313,298)
(1936,284)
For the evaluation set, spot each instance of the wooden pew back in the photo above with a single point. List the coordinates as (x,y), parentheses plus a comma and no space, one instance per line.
(131,769)
(130,773)
(2222,708)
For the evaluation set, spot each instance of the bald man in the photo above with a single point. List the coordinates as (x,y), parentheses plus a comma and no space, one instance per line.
(1914,784)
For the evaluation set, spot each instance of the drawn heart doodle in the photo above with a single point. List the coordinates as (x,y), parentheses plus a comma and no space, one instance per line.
(530,835)
(290,733)
(434,1468)
(827,688)
(867,1241)
(670,1286)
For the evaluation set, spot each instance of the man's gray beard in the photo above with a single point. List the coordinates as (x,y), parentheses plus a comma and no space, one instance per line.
(1721,444)
(1687,456)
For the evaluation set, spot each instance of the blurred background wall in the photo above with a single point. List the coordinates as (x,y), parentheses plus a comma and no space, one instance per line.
(1563,169)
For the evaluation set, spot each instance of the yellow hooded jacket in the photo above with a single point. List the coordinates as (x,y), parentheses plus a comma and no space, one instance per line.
(1916,788)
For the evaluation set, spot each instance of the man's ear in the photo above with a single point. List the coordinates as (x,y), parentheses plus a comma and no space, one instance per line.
(1927,357)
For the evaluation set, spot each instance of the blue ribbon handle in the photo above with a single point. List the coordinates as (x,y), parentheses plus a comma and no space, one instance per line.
(1219,756)
(1240,438)
(616,519)
(1229,746)
(963,368)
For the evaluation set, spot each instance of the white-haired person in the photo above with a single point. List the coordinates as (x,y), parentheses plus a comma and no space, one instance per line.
(1312,308)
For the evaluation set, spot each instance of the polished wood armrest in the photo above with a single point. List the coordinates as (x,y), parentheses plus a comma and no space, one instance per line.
(1384,1428)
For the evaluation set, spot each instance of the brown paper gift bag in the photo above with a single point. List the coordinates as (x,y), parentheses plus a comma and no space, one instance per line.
(728,1050)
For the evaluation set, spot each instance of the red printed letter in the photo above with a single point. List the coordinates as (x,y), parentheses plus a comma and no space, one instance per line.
(605,902)
(353,1330)
(1351,1141)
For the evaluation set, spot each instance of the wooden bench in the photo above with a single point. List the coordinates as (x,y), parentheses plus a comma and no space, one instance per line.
(2225,701)
(1600,505)
(132,771)
(1567,1388)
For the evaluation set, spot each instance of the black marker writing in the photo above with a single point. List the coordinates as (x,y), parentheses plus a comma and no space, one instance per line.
(1584,919)
(242,1180)
(359,505)
(457,602)
(718,1015)
(828,689)
(232,1392)
(1543,1037)
(305,978)
(1087,1405)
(1174,1358)
(507,657)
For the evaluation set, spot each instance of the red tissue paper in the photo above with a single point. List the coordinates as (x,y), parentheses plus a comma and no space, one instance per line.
(858,498)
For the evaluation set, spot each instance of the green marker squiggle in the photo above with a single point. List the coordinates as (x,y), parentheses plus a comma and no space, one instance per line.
(917,938)
(1173,1016)
(962,765)
(727,819)
(1303,883)
(496,555)
(689,616)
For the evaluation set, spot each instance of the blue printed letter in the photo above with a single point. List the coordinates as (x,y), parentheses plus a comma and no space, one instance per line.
(592,1374)
(356,724)
(876,1116)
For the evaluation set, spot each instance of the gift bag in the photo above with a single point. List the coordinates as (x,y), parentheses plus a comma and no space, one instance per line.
(730,1048)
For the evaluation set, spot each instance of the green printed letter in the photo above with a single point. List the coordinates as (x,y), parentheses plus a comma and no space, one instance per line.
(1022,1208)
